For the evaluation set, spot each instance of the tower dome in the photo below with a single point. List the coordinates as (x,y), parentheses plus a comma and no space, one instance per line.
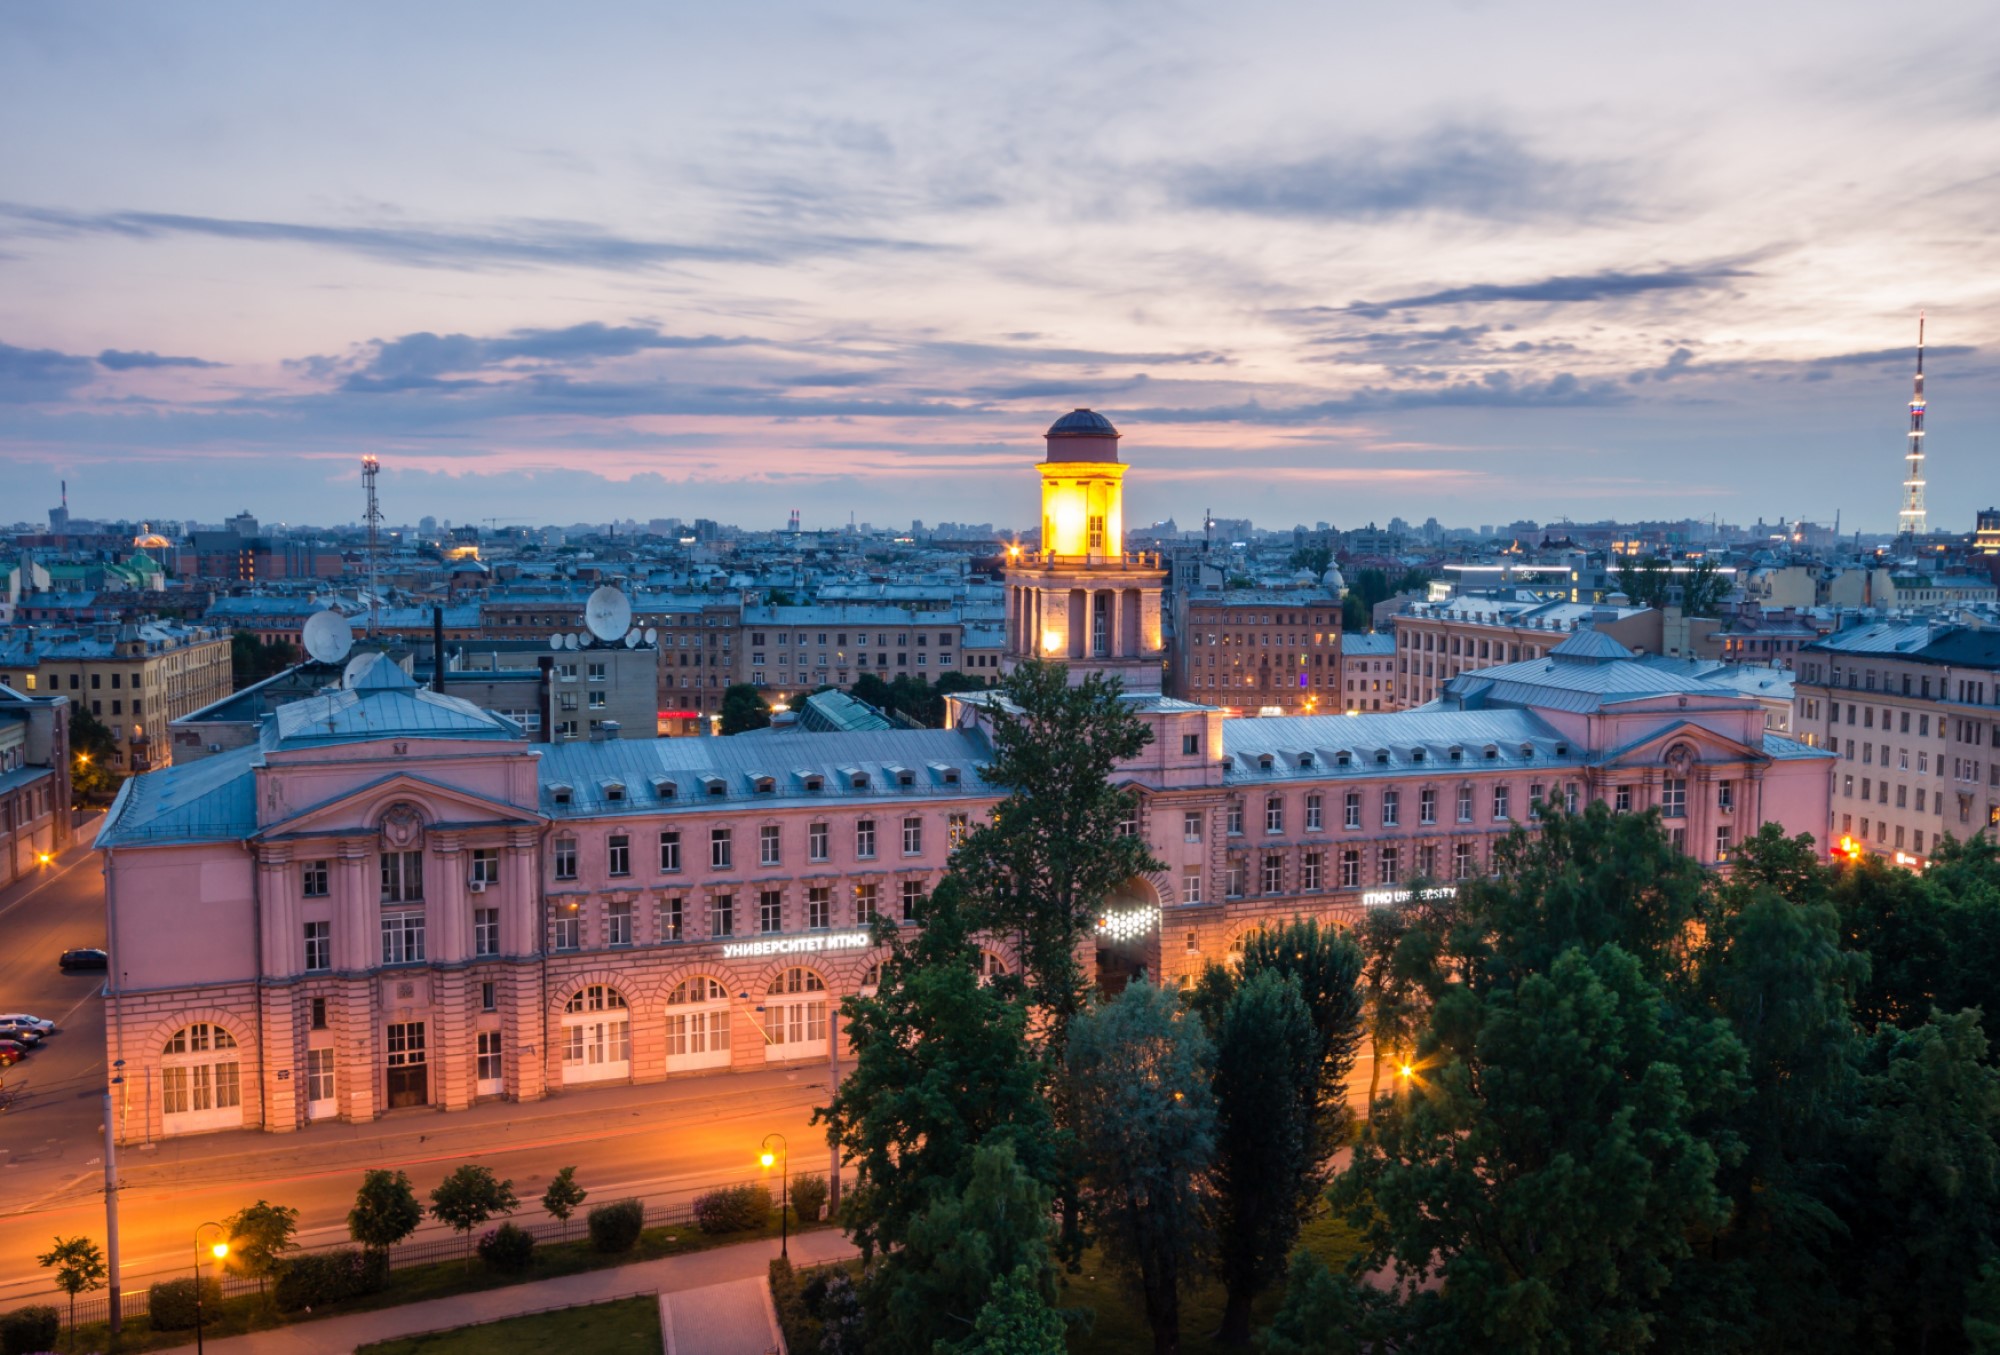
(1082,435)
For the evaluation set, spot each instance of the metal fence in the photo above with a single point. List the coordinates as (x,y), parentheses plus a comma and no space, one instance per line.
(662,1211)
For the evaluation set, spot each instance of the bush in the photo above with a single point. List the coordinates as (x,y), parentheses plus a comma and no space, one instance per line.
(733,1210)
(170,1305)
(801,1331)
(28,1330)
(318,1278)
(808,1196)
(616,1227)
(508,1248)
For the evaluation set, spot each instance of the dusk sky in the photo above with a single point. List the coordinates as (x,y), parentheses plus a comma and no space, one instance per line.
(1318,262)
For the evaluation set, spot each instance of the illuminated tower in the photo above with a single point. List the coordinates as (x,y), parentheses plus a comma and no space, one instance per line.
(1081,598)
(1913,520)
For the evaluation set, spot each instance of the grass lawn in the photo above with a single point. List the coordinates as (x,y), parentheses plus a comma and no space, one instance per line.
(1121,1327)
(626,1327)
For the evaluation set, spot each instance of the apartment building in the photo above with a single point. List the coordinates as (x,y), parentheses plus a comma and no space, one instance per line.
(1257,651)
(792,649)
(1368,672)
(1436,641)
(135,678)
(34,781)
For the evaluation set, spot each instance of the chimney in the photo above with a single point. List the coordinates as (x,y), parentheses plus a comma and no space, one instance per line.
(437,650)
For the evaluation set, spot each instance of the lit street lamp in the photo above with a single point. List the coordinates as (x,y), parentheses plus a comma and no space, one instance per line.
(220,1249)
(784,1155)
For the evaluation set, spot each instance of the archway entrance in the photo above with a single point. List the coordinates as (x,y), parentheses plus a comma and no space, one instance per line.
(1127,937)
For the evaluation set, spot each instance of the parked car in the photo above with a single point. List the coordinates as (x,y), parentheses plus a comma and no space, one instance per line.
(89,957)
(26,1035)
(43,1024)
(12,1051)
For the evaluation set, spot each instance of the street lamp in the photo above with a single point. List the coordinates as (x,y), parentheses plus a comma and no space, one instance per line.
(783,1155)
(219,1248)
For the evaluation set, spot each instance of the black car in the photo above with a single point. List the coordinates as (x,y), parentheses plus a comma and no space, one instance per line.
(87,958)
(25,1035)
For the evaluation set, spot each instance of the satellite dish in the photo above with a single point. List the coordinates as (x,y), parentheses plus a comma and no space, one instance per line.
(555,642)
(631,638)
(358,665)
(607,613)
(652,636)
(569,642)
(327,637)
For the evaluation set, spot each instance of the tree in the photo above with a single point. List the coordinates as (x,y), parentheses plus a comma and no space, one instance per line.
(942,1065)
(469,1197)
(1326,1314)
(385,1210)
(93,752)
(1145,1124)
(1314,560)
(743,708)
(1403,970)
(563,1195)
(79,1268)
(1905,929)
(930,1291)
(252,660)
(259,1237)
(1548,1162)
(1016,1320)
(1267,1170)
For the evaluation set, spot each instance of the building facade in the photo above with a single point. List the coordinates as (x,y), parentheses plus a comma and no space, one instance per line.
(1257,651)
(34,781)
(135,678)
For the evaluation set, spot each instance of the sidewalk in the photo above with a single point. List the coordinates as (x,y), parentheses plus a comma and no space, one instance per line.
(673,1274)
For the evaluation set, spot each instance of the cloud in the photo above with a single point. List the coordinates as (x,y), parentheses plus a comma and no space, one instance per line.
(420,360)
(1473,171)
(1559,290)
(1494,390)
(521,244)
(28,375)
(1031,353)
(125,360)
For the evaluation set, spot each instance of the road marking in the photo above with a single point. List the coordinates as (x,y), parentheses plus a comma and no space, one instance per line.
(60,872)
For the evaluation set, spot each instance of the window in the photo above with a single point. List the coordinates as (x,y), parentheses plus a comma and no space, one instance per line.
(313,880)
(796,1008)
(488,1070)
(484,866)
(1674,797)
(1350,868)
(402,877)
(956,828)
(672,915)
(1461,860)
(1389,866)
(402,937)
(722,915)
(913,837)
(721,852)
(864,839)
(670,852)
(486,931)
(1722,843)
(819,908)
(618,854)
(489,996)
(771,911)
(1622,799)
(1309,871)
(1465,804)
(618,924)
(1190,745)
(1315,818)
(1274,873)
(1427,806)
(913,898)
(319,1076)
(565,858)
(1236,820)
(319,947)
(1232,880)
(1274,814)
(1725,796)
(1191,887)
(1569,797)
(1427,861)
(566,930)
(767,845)
(1392,801)
(1500,795)
(867,903)
(1353,808)
(597,1035)
(816,842)
(319,1013)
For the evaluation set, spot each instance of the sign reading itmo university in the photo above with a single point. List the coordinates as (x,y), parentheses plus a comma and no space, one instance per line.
(1379,898)
(796,945)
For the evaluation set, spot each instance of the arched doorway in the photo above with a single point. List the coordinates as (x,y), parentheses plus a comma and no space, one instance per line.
(697,1025)
(1127,935)
(201,1081)
(795,1016)
(597,1036)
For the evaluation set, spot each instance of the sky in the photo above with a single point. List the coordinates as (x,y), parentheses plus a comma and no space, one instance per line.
(1320,263)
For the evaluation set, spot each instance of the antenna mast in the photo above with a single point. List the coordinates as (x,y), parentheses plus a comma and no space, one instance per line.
(1914,521)
(369,468)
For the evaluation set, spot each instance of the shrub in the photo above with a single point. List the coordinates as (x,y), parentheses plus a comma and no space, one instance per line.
(30,1329)
(732,1210)
(318,1278)
(170,1304)
(508,1248)
(801,1331)
(808,1196)
(615,1227)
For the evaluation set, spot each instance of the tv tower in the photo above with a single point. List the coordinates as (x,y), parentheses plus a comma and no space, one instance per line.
(1913,521)
(369,467)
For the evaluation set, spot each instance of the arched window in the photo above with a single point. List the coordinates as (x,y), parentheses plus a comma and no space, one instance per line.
(795,1017)
(201,1083)
(597,1036)
(697,1025)
(991,966)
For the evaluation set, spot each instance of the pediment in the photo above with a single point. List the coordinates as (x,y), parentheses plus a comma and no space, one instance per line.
(1682,742)
(398,803)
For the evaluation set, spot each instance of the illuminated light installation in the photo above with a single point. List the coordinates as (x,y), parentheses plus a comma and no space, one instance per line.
(1914,520)
(1127,924)
(1382,898)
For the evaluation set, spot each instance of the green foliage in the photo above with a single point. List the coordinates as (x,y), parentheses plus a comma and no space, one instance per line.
(929,1292)
(1324,1313)
(28,1330)
(1982,1311)
(1145,1124)
(941,1064)
(743,708)
(808,1196)
(615,1227)
(801,1329)
(170,1305)
(385,1210)
(1651,582)
(1404,966)
(469,1197)
(78,1264)
(315,1279)
(259,1237)
(909,695)
(1267,1167)
(252,660)
(1315,560)
(563,1195)
(1904,927)
(509,1249)
(1016,1320)
(732,1210)
(93,753)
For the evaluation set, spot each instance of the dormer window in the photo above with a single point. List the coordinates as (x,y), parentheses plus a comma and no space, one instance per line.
(814,783)
(946,774)
(1382,757)
(1416,755)
(1527,750)
(1562,750)
(859,781)
(764,785)
(562,793)
(904,776)
(1492,753)
(1305,759)
(662,788)
(614,792)
(1264,761)
(1343,759)
(1457,753)
(716,786)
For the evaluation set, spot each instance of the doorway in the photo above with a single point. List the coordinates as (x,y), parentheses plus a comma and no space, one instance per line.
(409,1071)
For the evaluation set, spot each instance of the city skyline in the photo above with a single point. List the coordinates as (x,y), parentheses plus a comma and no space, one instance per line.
(526,265)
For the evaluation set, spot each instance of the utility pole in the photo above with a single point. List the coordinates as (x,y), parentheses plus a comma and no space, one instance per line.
(111,1200)
(833,1092)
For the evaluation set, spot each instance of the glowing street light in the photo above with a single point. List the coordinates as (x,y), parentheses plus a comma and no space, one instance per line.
(784,1187)
(219,1249)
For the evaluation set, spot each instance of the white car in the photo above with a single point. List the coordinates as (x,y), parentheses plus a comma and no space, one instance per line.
(46,1027)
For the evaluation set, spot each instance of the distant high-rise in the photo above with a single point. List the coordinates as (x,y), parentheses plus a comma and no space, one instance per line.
(1914,521)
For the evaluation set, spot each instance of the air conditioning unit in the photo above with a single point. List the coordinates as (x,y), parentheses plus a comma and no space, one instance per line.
(477,886)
